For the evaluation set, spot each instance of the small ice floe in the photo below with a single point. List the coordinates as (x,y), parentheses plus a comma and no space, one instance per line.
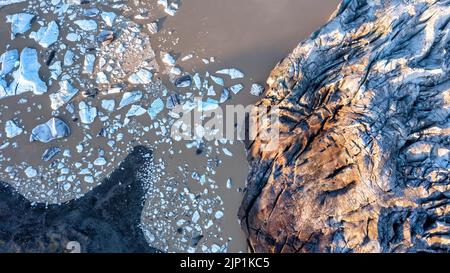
(55,128)
(55,70)
(65,94)
(169,8)
(20,23)
(218,214)
(9,2)
(155,108)
(208,105)
(172,101)
(227,152)
(197,81)
(143,76)
(256,89)
(229,183)
(73,37)
(88,66)
(46,36)
(218,80)
(100,161)
(30,172)
(224,95)
(232,72)
(130,98)
(12,129)
(50,153)
(236,88)
(89,179)
(8,61)
(108,105)
(187,57)
(105,37)
(184,81)
(108,18)
(153,27)
(135,111)
(26,78)
(87,112)
(86,25)
(168,59)
(68,58)
(101,78)
(211,91)
(195,217)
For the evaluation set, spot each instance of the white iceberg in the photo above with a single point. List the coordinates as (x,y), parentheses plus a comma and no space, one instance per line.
(46,36)
(86,25)
(143,76)
(53,129)
(108,105)
(88,66)
(8,61)
(12,129)
(256,89)
(155,108)
(65,94)
(87,113)
(108,18)
(232,72)
(20,23)
(236,88)
(218,80)
(130,98)
(26,78)
(136,111)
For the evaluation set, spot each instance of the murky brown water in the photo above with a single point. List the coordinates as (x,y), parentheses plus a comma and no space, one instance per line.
(251,35)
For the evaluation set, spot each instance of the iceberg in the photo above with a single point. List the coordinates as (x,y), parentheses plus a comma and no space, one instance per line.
(87,113)
(256,89)
(232,72)
(46,36)
(86,25)
(20,23)
(236,88)
(130,98)
(26,78)
(89,62)
(108,105)
(143,76)
(53,129)
(12,129)
(155,108)
(65,94)
(8,61)
(136,111)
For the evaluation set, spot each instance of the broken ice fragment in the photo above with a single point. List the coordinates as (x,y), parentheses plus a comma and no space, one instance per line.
(20,23)
(12,129)
(172,101)
(224,96)
(256,89)
(87,113)
(208,105)
(65,94)
(197,81)
(218,214)
(155,108)
(89,61)
(101,78)
(100,161)
(73,37)
(168,59)
(130,98)
(195,217)
(135,111)
(184,81)
(229,183)
(153,27)
(50,153)
(46,36)
(108,105)
(105,37)
(236,88)
(227,152)
(53,129)
(232,72)
(143,76)
(26,78)
(30,172)
(218,80)
(86,25)
(8,61)
(55,70)
(108,18)
(68,58)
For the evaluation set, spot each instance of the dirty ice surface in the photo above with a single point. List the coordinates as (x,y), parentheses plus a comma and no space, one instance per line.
(83,82)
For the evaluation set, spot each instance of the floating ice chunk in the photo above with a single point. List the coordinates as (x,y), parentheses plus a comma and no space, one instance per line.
(4,91)
(87,112)
(46,36)
(101,78)
(68,58)
(153,27)
(175,71)
(232,72)
(53,129)
(208,105)
(26,78)
(100,161)
(8,61)
(143,76)
(218,80)
(130,98)
(218,214)
(88,66)
(169,9)
(20,23)
(108,18)
(197,81)
(9,2)
(155,108)
(195,217)
(50,153)
(73,37)
(135,111)
(168,59)
(211,91)
(224,96)
(30,172)
(236,88)
(108,105)
(227,152)
(187,57)
(89,179)
(229,183)
(86,25)
(55,70)
(256,89)
(65,94)
(12,129)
